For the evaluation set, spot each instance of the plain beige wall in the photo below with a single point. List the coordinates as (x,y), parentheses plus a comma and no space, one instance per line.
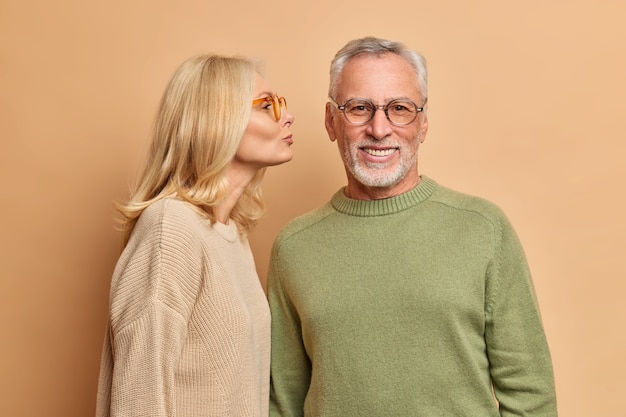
(526,109)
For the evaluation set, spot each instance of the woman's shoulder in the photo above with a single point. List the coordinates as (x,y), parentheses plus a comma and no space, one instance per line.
(171,214)
(162,257)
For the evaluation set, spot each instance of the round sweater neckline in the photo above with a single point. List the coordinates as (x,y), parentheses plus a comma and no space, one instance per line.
(228,232)
(385,206)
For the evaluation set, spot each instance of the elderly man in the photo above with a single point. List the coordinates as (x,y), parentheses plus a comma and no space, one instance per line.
(400,297)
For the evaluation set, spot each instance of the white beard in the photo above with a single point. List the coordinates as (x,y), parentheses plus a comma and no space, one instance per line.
(377,174)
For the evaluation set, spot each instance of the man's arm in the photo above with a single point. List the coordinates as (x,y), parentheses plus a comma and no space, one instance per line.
(290,365)
(520,362)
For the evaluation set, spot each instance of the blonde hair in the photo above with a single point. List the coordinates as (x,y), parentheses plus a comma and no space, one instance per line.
(201,119)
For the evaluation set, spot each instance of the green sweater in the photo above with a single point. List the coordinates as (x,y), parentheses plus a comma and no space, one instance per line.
(416,305)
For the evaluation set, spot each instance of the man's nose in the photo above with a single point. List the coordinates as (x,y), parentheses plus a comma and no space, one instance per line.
(379,127)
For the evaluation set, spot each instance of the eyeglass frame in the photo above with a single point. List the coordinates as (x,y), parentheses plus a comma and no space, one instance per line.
(383,107)
(277,104)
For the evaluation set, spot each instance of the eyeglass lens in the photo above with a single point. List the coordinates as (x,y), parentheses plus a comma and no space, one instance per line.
(278,103)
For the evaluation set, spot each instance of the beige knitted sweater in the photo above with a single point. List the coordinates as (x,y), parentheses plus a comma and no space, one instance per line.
(189,324)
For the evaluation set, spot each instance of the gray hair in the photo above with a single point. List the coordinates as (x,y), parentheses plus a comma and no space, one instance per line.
(377,47)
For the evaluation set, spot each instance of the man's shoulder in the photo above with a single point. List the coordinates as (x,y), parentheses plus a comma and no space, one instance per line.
(305,226)
(307,220)
(466,202)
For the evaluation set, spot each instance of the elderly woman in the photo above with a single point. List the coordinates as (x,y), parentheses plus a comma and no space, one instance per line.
(189,326)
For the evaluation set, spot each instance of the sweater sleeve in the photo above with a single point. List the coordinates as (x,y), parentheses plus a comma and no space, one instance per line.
(519,357)
(145,355)
(290,364)
(152,297)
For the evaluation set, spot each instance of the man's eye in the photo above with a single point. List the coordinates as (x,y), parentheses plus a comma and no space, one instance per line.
(360,108)
(399,108)
(402,108)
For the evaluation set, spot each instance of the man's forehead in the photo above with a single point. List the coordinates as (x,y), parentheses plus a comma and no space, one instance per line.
(386,77)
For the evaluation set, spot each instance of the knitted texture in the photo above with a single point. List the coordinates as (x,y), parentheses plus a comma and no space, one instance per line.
(189,324)
(407,306)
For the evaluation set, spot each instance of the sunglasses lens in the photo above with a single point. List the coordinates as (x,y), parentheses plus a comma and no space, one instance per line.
(277,109)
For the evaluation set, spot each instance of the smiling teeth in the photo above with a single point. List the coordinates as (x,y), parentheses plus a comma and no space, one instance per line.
(379,152)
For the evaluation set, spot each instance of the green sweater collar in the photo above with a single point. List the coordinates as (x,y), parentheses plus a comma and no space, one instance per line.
(366,208)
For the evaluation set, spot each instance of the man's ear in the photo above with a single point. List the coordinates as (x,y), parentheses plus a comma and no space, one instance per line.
(328,122)
(423,130)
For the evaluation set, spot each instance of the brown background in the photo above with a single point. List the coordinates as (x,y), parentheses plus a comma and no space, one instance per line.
(526,109)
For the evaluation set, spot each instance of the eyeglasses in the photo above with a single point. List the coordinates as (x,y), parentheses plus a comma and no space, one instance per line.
(359,111)
(278,103)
